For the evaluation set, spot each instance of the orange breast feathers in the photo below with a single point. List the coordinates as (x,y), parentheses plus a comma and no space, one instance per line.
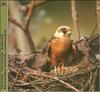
(59,49)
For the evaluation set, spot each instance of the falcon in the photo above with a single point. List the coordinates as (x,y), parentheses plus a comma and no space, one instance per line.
(60,47)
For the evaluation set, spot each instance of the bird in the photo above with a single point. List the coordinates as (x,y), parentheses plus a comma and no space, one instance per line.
(60,46)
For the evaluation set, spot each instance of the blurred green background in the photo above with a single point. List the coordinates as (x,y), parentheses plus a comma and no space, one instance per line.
(48,17)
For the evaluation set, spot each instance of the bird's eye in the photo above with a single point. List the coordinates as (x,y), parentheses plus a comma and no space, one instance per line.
(64,30)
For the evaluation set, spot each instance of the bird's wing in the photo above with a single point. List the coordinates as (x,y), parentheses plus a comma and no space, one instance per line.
(74,48)
(47,47)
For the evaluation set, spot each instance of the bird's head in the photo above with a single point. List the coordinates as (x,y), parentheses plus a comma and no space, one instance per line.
(63,31)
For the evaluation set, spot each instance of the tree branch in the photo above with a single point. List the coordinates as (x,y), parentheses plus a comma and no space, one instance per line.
(75,18)
(29,14)
(15,22)
(26,31)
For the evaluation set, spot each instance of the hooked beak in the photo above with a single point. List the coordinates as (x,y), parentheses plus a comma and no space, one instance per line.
(68,33)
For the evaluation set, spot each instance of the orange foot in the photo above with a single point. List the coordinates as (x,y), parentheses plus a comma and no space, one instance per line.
(62,69)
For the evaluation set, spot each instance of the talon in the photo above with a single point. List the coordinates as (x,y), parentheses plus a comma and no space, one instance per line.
(62,69)
(25,77)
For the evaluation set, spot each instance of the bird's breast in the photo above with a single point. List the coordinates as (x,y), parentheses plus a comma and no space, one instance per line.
(60,46)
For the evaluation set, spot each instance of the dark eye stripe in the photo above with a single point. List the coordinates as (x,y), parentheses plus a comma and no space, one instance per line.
(64,30)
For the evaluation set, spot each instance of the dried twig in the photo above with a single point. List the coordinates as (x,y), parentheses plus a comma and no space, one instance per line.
(39,3)
(94,80)
(86,85)
(16,77)
(93,30)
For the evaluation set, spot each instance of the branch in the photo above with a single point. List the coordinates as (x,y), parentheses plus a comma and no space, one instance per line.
(39,3)
(15,22)
(93,30)
(31,6)
(25,8)
(94,80)
(29,14)
(75,18)
(26,31)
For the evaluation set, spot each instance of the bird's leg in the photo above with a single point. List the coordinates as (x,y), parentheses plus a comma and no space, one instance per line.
(62,68)
(58,69)
(25,77)
(55,68)
(53,63)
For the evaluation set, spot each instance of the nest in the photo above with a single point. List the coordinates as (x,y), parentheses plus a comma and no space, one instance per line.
(26,73)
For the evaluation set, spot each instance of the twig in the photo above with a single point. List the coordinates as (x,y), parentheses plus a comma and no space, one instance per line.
(93,30)
(39,3)
(94,80)
(37,88)
(24,8)
(16,78)
(67,85)
(93,76)
(48,88)
(86,85)
(28,84)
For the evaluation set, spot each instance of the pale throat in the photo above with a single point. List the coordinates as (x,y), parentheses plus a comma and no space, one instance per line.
(59,34)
